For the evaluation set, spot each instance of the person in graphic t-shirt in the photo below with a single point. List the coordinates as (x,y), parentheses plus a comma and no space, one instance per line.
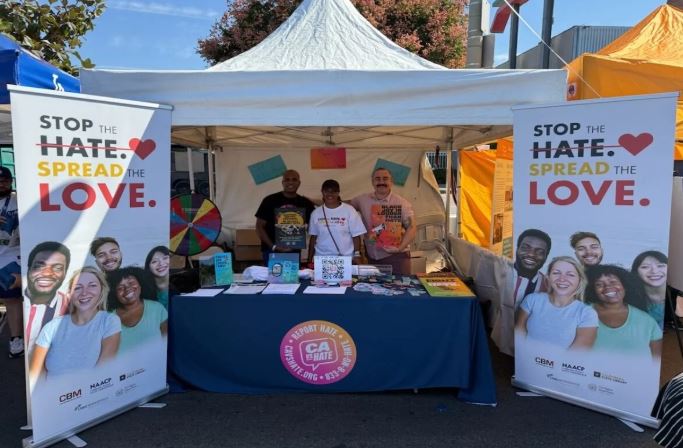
(335,227)
(280,213)
(390,223)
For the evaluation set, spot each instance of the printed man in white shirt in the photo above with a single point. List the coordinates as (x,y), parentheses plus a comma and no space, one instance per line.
(48,263)
(533,247)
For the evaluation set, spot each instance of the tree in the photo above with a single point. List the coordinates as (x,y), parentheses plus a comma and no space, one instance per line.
(53,30)
(433,29)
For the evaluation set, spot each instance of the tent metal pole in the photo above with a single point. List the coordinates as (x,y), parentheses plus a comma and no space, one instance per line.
(449,187)
(210,133)
(190,168)
(212,193)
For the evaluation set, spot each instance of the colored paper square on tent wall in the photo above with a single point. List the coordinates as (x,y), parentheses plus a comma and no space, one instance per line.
(398,172)
(268,169)
(328,158)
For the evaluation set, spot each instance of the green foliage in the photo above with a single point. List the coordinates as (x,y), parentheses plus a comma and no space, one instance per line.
(53,29)
(434,29)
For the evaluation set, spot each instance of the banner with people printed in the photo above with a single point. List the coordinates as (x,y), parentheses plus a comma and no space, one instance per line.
(592,204)
(93,188)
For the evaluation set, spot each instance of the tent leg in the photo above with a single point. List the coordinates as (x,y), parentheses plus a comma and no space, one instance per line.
(449,187)
(190,169)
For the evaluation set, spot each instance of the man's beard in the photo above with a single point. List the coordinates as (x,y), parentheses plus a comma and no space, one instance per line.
(33,292)
(526,272)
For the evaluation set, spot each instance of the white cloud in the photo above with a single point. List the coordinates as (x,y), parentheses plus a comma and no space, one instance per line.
(163,9)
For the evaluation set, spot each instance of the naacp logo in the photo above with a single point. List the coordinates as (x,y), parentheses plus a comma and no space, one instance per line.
(101,385)
(574,369)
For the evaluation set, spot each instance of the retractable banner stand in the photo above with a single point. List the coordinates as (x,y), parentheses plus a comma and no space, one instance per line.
(592,203)
(93,195)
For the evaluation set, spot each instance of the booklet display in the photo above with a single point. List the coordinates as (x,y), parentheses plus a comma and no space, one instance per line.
(223,268)
(290,227)
(444,284)
(283,267)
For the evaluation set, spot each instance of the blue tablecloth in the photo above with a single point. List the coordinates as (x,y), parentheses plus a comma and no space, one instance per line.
(231,343)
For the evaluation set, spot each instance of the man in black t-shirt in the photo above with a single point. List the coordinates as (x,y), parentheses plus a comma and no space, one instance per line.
(281,218)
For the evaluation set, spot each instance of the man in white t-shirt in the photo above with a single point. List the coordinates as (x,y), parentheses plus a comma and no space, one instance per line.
(335,228)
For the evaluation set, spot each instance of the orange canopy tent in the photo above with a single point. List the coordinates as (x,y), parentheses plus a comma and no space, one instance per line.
(646,59)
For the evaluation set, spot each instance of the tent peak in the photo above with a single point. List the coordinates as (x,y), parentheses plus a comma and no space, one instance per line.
(326,35)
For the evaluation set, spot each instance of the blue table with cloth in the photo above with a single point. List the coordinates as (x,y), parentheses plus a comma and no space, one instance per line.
(231,343)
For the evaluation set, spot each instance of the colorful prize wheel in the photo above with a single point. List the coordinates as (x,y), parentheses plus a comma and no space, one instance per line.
(195,224)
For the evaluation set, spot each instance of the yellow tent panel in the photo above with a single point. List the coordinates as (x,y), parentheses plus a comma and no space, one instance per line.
(646,59)
(476,173)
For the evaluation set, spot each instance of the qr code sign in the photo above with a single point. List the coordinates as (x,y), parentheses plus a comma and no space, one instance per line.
(333,268)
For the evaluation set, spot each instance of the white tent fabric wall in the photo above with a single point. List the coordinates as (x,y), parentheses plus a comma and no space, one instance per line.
(238,197)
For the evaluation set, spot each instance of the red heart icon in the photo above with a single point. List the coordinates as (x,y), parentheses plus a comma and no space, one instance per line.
(634,144)
(142,148)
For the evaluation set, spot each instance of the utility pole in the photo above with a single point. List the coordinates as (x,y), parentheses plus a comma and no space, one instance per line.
(514,26)
(546,31)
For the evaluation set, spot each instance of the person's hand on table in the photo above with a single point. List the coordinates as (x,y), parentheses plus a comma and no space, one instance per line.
(392,249)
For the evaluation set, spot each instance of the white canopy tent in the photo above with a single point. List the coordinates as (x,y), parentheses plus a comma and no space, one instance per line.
(326,77)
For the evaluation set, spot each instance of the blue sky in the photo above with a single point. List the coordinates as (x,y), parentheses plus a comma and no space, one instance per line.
(163,34)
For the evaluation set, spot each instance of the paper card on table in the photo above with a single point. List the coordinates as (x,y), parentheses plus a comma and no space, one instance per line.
(398,172)
(244,289)
(325,290)
(281,288)
(332,270)
(283,267)
(205,292)
(328,158)
(268,169)
(223,268)
(207,272)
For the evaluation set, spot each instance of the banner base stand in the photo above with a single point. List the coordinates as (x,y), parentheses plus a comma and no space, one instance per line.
(29,443)
(528,394)
(77,441)
(621,415)
(153,405)
(632,426)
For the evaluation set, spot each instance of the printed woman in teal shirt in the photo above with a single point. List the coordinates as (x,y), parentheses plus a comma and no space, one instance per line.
(620,301)
(143,320)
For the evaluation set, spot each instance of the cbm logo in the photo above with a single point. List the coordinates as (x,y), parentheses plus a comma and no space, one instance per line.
(544,362)
(70,396)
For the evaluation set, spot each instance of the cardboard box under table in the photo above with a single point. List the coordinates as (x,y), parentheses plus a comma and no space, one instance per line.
(235,343)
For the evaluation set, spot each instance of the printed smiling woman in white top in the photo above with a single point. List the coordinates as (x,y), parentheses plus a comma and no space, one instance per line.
(560,317)
(82,339)
(335,227)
